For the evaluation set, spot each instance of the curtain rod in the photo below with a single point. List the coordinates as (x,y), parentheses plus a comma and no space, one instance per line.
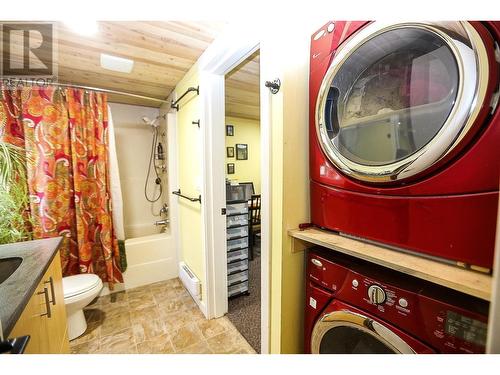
(110,91)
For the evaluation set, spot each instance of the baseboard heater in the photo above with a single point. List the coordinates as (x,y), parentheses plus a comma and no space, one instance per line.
(190,281)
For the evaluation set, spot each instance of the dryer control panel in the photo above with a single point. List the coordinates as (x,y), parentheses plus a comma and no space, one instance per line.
(451,328)
(391,303)
(448,322)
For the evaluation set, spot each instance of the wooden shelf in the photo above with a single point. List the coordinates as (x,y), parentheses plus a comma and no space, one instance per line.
(470,282)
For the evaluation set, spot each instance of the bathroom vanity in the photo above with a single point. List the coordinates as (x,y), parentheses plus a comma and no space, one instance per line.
(31,297)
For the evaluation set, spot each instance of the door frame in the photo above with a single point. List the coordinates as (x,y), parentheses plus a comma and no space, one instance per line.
(218,60)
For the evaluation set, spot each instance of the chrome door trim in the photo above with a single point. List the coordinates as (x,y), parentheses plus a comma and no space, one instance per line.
(345,318)
(473,71)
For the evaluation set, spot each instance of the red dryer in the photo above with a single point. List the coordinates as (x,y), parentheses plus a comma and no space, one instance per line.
(354,307)
(405,135)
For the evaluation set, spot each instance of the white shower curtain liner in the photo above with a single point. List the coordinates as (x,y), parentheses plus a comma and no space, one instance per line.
(116,190)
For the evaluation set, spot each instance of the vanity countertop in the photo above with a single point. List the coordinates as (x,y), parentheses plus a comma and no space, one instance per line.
(16,291)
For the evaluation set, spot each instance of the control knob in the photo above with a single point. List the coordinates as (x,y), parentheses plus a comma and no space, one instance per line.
(376,295)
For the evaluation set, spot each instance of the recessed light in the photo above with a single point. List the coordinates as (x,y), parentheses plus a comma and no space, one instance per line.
(83,27)
(118,64)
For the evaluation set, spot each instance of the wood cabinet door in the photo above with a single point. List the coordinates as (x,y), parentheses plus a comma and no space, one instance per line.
(55,326)
(30,323)
(44,317)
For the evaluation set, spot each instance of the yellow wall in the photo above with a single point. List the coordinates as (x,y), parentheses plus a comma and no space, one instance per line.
(248,132)
(189,152)
(288,58)
(295,199)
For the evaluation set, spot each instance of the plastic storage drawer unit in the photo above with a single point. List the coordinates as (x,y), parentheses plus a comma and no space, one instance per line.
(237,231)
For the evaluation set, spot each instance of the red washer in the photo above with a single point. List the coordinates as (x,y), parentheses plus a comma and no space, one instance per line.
(356,307)
(404,135)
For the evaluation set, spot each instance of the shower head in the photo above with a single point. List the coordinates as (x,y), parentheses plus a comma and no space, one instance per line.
(154,123)
(148,121)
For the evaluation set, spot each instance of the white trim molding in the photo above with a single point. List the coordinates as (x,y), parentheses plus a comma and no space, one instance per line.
(212,113)
(222,56)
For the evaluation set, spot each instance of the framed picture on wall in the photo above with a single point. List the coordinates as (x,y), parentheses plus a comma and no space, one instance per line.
(230,152)
(230,130)
(230,168)
(241,151)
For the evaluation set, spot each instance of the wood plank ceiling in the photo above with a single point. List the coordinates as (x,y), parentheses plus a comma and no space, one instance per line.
(242,89)
(162,53)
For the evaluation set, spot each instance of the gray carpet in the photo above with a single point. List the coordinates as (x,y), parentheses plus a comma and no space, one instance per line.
(244,311)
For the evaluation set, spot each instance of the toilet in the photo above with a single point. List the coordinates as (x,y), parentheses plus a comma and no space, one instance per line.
(79,291)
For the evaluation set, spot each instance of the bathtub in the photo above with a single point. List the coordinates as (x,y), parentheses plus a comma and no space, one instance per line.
(150,259)
(137,231)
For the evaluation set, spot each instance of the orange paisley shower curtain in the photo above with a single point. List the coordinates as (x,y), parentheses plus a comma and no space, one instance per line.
(64,133)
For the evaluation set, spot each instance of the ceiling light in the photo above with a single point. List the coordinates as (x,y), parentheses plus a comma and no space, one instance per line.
(118,64)
(83,27)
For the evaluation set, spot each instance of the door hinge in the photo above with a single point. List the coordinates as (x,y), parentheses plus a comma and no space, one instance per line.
(222,211)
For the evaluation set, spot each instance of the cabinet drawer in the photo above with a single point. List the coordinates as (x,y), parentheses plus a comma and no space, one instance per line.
(242,265)
(237,232)
(237,255)
(237,278)
(233,221)
(239,243)
(237,289)
(236,208)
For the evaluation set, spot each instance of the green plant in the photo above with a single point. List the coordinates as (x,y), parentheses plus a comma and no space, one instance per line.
(12,162)
(14,197)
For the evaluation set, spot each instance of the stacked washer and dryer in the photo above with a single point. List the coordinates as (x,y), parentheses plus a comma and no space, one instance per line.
(404,152)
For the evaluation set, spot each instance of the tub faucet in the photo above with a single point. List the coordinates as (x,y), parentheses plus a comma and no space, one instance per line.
(164,209)
(162,222)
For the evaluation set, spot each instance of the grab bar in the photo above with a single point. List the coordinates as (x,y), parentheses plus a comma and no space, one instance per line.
(178,193)
(190,89)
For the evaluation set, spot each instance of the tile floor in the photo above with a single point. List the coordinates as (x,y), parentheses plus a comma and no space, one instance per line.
(156,318)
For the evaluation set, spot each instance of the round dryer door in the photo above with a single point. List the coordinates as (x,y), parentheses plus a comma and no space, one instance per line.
(344,332)
(397,98)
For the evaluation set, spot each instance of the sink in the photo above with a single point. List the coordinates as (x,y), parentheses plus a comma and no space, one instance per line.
(8,266)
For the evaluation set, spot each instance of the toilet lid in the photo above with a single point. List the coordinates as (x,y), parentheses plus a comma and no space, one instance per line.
(77,284)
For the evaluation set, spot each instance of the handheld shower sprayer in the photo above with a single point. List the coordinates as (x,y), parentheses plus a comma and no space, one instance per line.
(154,123)
(148,121)
(155,146)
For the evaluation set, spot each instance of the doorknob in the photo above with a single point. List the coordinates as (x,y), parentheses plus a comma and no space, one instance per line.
(273,86)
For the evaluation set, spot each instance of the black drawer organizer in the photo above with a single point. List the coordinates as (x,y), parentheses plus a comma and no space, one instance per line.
(237,247)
